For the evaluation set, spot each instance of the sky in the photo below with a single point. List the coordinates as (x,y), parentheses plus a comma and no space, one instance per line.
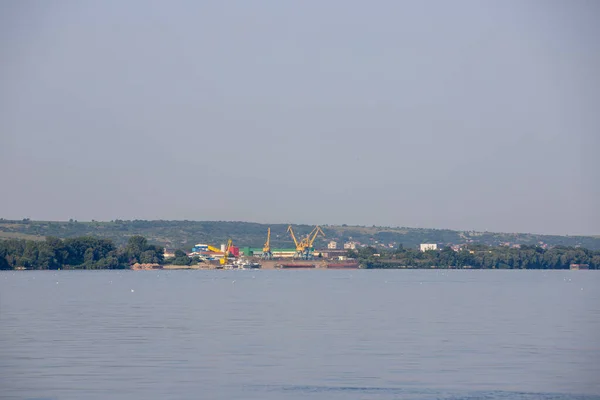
(469,114)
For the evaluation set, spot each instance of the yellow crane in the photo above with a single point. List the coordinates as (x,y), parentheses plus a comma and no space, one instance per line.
(267,254)
(309,240)
(304,246)
(299,245)
(313,235)
(225,258)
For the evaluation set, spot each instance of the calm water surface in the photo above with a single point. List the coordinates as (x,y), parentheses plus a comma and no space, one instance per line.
(300,335)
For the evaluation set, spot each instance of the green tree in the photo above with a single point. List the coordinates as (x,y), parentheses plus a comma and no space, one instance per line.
(149,257)
(4,265)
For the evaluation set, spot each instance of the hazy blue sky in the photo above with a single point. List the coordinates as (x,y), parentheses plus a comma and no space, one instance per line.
(448,114)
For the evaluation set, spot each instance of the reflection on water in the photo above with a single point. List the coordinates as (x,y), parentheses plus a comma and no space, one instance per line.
(300,334)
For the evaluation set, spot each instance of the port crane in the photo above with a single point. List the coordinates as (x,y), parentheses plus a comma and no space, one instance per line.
(267,254)
(304,246)
(299,249)
(225,258)
(310,239)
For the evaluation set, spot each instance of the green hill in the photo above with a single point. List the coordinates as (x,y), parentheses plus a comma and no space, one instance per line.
(184,234)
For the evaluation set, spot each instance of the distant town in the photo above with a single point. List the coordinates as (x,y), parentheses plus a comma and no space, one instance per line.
(120,244)
(333,249)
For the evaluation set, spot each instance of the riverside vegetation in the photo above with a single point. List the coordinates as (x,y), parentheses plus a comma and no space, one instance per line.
(88,252)
(479,256)
(78,253)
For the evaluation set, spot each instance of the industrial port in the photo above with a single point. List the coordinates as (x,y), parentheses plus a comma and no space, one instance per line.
(302,255)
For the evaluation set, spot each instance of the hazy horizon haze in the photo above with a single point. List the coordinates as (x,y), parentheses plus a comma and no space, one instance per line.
(466,115)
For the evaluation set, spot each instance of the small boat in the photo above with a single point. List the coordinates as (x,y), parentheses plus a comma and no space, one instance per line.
(249,265)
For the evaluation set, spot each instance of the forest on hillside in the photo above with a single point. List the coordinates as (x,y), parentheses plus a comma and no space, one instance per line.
(185,234)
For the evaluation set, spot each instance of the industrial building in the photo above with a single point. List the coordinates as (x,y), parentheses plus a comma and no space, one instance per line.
(277,253)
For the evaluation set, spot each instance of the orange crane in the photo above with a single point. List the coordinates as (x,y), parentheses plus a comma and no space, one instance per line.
(267,254)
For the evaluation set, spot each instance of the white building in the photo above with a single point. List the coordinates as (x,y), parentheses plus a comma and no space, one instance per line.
(168,253)
(350,245)
(428,246)
(332,245)
(284,254)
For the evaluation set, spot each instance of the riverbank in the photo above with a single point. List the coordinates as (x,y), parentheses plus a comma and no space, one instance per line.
(194,266)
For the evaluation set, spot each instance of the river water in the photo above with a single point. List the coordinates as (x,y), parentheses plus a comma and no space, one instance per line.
(300,334)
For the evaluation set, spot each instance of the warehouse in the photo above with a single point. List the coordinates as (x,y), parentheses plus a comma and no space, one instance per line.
(277,253)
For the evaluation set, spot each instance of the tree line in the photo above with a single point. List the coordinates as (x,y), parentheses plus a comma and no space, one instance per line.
(479,256)
(85,252)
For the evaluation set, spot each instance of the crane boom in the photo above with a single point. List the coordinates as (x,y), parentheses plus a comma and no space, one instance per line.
(267,254)
(316,231)
(267,246)
(298,244)
(227,250)
(305,244)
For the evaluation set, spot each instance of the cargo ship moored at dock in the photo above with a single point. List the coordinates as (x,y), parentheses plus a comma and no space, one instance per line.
(343,265)
(296,265)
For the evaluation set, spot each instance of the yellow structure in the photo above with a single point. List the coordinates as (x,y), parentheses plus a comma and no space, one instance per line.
(225,258)
(214,249)
(304,246)
(299,248)
(310,239)
(267,255)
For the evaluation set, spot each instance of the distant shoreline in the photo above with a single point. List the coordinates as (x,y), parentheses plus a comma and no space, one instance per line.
(213,268)
(92,252)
